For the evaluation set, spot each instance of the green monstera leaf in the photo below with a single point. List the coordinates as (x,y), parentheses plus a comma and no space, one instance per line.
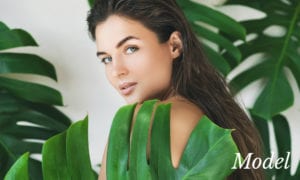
(224,33)
(283,141)
(127,160)
(27,113)
(11,38)
(19,170)
(281,52)
(66,155)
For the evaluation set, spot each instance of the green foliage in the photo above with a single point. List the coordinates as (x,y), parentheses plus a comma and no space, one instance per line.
(11,38)
(23,101)
(23,63)
(283,142)
(207,143)
(19,170)
(233,31)
(66,155)
(280,52)
(91,2)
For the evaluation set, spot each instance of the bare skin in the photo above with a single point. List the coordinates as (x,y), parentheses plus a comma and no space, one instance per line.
(183,119)
(136,64)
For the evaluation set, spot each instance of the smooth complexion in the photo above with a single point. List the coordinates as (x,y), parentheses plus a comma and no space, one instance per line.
(139,67)
(136,64)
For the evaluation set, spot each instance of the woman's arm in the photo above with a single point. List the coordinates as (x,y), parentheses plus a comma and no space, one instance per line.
(102,174)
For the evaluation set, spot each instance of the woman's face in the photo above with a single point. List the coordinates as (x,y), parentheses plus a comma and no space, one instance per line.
(137,65)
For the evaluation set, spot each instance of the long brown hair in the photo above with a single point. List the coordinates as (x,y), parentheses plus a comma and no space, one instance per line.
(193,77)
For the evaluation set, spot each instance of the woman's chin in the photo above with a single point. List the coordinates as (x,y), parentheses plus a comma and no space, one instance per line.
(132,100)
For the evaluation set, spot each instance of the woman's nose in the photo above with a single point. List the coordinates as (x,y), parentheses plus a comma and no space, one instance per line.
(119,67)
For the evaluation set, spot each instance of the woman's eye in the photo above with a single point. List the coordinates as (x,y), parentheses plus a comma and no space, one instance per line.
(131,50)
(106,60)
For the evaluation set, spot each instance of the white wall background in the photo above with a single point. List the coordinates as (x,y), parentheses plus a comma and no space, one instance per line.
(60,29)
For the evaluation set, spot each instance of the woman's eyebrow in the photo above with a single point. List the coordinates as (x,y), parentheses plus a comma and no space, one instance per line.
(124,40)
(100,53)
(120,43)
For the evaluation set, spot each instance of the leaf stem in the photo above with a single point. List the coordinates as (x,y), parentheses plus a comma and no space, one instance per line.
(288,37)
(7,150)
(285,45)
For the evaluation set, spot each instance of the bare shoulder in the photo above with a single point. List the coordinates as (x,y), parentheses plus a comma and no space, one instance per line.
(183,119)
(183,113)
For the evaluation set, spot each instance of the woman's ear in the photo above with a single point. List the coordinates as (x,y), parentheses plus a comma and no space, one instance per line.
(175,44)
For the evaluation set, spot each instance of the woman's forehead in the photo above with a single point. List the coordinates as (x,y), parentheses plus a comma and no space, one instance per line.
(115,28)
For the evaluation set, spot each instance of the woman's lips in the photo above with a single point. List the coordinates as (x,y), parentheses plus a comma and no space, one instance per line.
(127,88)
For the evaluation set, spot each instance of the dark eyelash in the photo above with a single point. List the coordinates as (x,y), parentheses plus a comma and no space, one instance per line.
(103,60)
(132,47)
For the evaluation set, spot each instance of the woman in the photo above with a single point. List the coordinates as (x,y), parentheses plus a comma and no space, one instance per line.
(150,52)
